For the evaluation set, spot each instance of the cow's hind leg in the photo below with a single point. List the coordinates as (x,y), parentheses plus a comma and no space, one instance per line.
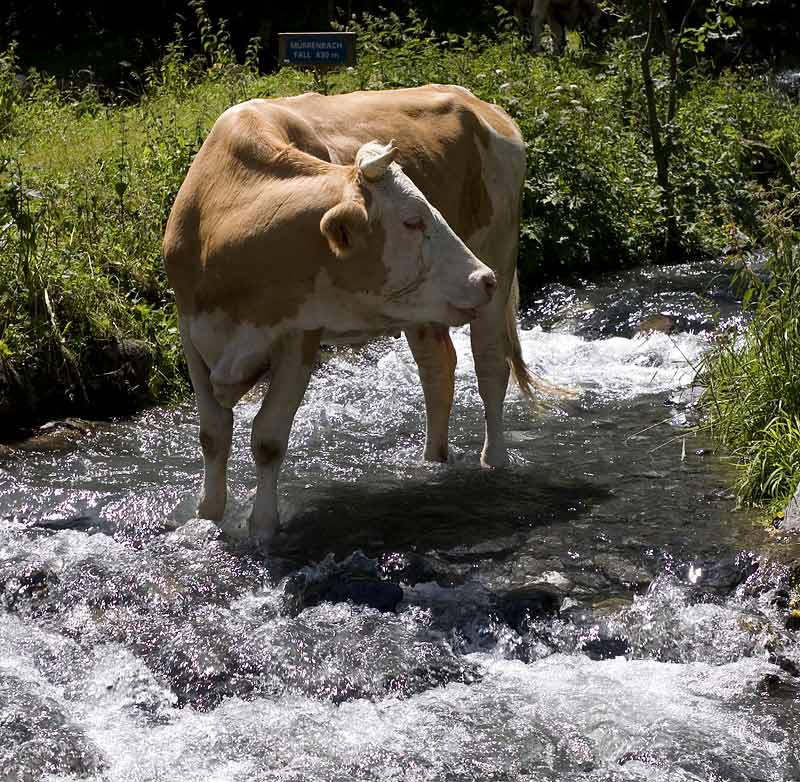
(290,372)
(559,33)
(539,13)
(436,358)
(490,350)
(216,433)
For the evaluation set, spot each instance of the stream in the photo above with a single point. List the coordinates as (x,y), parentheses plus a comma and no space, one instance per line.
(598,611)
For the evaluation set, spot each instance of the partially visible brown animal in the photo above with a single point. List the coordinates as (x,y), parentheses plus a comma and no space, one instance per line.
(559,15)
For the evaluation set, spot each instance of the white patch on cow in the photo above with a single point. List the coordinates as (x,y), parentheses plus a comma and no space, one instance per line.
(502,162)
(235,353)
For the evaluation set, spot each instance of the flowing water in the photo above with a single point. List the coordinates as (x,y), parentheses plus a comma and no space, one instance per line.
(597,611)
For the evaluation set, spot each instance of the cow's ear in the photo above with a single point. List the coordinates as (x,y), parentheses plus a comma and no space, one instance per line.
(345,226)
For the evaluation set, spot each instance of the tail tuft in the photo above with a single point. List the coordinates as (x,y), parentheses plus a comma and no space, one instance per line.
(527,381)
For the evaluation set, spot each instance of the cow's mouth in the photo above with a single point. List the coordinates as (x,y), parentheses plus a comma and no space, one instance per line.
(458,316)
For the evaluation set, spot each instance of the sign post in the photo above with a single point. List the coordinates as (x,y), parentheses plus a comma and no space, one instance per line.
(320,51)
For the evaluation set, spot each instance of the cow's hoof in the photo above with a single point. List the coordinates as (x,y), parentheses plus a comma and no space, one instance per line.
(494,459)
(261,535)
(439,455)
(211,508)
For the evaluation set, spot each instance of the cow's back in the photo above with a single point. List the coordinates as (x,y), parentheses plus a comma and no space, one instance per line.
(450,144)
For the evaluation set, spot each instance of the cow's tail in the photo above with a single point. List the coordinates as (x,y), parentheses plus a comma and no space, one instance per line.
(527,381)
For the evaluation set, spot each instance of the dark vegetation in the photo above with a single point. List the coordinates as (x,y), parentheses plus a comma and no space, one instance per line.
(669,143)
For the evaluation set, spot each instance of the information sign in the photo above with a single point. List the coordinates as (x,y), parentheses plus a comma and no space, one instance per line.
(317,50)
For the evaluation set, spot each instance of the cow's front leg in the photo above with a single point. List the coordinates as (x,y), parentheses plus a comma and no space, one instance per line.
(436,358)
(489,349)
(290,371)
(216,432)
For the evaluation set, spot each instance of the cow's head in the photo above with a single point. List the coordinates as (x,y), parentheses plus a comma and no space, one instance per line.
(430,274)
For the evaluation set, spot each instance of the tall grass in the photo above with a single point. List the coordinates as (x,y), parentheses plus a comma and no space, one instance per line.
(752,379)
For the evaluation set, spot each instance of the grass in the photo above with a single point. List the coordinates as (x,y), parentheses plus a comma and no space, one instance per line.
(87,179)
(752,394)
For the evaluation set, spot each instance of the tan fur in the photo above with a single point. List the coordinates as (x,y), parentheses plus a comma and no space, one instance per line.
(217,247)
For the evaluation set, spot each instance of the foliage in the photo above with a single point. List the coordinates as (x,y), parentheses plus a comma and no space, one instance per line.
(87,178)
(752,396)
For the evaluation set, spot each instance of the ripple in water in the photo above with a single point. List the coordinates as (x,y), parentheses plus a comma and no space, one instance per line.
(584,615)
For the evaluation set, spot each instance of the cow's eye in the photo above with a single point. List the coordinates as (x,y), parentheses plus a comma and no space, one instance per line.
(417,224)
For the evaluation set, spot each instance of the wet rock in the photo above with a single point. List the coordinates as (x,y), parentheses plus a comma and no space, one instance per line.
(37,737)
(86,524)
(620,571)
(785,664)
(793,620)
(791,514)
(519,607)
(204,659)
(25,583)
(120,372)
(356,579)
(780,599)
(57,435)
(596,637)
(372,592)
(659,322)
(718,578)
(604,645)
(124,681)
(410,568)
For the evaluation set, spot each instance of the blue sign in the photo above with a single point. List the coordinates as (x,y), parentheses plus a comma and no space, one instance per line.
(315,49)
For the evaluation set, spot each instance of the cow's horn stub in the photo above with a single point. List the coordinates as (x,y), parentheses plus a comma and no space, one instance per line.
(373,159)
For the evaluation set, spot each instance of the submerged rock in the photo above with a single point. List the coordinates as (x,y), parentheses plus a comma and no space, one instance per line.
(57,435)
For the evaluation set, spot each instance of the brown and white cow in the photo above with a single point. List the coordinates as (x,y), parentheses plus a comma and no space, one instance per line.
(294,226)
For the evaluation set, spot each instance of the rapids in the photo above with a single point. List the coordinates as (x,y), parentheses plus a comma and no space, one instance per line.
(600,610)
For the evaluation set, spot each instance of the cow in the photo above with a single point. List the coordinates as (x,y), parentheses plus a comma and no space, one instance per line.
(318,219)
(559,15)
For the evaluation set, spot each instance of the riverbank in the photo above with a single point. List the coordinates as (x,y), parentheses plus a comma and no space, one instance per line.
(88,180)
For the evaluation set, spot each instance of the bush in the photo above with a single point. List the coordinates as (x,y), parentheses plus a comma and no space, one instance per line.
(752,397)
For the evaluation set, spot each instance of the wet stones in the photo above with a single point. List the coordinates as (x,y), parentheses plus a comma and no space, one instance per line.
(25,583)
(37,737)
(56,436)
(518,607)
(411,568)
(791,514)
(718,578)
(356,580)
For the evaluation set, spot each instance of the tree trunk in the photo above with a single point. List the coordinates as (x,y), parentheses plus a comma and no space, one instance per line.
(660,140)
